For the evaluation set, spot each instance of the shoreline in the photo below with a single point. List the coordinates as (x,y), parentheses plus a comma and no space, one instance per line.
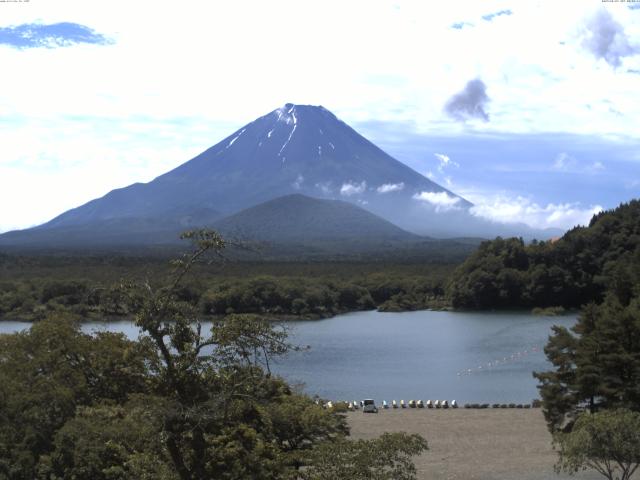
(289,317)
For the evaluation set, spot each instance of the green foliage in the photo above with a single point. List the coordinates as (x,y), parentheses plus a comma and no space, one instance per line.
(577,269)
(385,458)
(307,290)
(297,296)
(608,442)
(549,311)
(105,442)
(597,365)
(48,372)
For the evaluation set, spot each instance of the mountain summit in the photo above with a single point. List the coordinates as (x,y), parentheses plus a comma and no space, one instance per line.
(295,149)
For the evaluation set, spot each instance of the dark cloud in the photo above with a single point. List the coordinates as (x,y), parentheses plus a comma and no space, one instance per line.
(493,15)
(605,38)
(461,25)
(34,35)
(470,102)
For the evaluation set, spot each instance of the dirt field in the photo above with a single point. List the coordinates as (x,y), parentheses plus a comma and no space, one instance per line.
(510,444)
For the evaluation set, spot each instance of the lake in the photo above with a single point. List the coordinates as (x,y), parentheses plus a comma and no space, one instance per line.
(473,357)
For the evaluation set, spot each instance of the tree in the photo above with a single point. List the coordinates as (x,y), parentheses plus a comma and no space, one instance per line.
(596,365)
(109,441)
(557,386)
(50,371)
(213,424)
(385,458)
(608,442)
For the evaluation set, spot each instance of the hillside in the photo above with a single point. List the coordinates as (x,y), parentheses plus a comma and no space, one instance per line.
(577,269)
(300,219)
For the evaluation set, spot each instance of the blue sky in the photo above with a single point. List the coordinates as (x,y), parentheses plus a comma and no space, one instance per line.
(528,109)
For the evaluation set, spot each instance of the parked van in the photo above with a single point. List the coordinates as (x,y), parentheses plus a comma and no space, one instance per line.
(369,406)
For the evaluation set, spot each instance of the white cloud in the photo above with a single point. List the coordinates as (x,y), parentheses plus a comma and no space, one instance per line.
(445,161)
(390,187)
(523,210)
(564,162)
(297,184)
(349,188)
(325,188)
(442,201)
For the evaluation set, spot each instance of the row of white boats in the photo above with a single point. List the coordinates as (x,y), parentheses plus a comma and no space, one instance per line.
(401,404)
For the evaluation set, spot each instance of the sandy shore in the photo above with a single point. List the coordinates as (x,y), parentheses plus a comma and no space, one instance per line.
(502,444)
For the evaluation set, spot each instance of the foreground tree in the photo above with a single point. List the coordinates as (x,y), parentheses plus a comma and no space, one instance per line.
(608,442)
(216,387)
(388,457)
(596,365)
(49,372)
(597,362)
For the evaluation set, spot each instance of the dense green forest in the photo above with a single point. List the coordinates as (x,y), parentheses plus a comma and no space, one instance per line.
(33,286)
(570,272)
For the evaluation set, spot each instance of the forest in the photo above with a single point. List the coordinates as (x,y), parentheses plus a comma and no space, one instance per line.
(572,271)
(33,286)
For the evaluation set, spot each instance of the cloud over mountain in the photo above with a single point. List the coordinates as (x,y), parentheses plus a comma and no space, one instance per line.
(390,187)
(440,200)
(350,188)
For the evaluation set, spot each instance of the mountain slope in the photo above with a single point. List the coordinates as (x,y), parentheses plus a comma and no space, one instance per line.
(300,219)
(113,232)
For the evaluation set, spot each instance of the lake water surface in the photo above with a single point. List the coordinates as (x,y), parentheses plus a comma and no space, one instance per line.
(467,356)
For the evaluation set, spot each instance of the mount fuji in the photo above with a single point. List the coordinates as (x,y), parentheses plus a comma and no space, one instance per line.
(295,149)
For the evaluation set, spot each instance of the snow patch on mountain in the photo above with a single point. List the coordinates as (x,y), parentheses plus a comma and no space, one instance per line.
(235,138)
(292,113)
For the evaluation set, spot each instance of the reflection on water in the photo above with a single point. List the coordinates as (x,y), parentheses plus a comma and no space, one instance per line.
(470,357)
